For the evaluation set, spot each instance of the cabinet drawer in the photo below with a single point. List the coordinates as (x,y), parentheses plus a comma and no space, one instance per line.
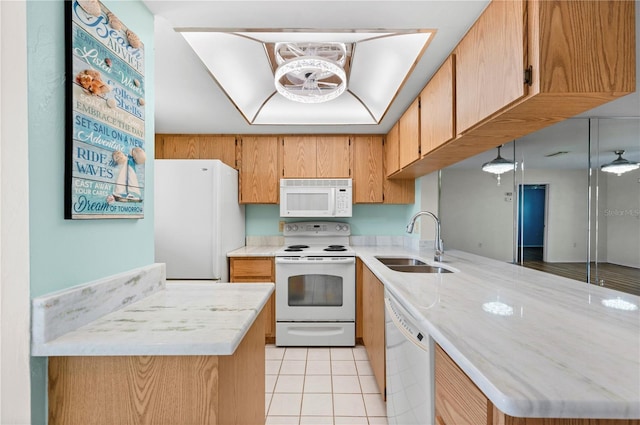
(252,269)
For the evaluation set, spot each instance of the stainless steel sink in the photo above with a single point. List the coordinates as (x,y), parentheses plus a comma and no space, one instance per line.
(410,265)
(400,261)
(424,268)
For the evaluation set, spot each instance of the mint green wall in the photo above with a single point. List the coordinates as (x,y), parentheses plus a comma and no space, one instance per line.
(65,253)
(367,219)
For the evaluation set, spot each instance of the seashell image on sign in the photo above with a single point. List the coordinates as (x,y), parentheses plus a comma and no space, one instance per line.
(105,115)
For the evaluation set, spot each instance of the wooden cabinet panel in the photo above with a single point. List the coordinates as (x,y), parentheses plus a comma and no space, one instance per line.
(437,110)
(368,169)
(299,157)
(333,157)
(178,146)
(584,46)
(196,146)
(373,331)
(252,270)
(399,191)
(259,181)
(490,63)
(162,390)
(392,150)
(458,400)
(410,134)
(219,147)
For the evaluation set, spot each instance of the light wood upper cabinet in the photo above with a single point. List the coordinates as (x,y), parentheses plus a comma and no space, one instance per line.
(490,63)
(437,112)
(368,169)
(373,330)
(574,55)
(299,157)
(315,157)
(392,150)
(334,157)
(196,146)
(258,166)
(410,134)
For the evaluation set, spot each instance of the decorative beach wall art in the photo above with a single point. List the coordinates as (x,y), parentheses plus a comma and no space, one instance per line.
(105,115)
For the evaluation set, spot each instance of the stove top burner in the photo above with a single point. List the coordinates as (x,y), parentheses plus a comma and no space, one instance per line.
(333,248)
(298,246)
(293,249)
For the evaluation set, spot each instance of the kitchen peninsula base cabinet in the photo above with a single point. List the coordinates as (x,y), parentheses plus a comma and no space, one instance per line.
(373,325)
(257,269)
(161,390)
(459,401)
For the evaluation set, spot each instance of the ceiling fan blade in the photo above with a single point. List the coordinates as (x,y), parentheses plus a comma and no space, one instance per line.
(328,84)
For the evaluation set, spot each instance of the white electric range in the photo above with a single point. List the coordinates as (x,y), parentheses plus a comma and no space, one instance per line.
(315,285)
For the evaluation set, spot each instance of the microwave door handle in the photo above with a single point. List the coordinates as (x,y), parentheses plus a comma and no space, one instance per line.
(332,201)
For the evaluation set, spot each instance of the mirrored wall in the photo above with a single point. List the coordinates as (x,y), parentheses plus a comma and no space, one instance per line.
(555,209)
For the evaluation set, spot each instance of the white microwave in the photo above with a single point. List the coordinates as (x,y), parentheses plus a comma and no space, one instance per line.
(315,197)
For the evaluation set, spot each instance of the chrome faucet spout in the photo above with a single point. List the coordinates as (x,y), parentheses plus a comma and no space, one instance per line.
(438,245)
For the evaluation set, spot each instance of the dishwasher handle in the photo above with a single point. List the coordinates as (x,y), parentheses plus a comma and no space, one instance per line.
(414,335)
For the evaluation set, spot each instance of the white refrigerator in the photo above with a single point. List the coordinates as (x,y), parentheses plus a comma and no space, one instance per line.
(197,217)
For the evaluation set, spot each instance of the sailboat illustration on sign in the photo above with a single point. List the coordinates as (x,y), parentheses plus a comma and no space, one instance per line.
(127,188)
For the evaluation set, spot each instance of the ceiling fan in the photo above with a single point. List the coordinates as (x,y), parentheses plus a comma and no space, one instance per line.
(310,72)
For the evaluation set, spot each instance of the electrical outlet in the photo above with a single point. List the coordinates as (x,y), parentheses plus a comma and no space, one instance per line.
(281,226)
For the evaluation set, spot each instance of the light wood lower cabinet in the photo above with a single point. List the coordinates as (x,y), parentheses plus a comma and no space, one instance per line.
(458,401)
(161,390)
(373,325)
(252,270)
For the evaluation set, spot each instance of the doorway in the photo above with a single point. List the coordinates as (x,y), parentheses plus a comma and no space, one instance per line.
(532,221)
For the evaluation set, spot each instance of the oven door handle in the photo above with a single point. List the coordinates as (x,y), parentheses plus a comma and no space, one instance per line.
(315,260)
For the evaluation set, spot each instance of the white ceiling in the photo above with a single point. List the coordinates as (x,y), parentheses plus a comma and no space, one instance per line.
(188,100)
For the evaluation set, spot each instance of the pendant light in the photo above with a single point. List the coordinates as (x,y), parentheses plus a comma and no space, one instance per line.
(620,165)
(499,165)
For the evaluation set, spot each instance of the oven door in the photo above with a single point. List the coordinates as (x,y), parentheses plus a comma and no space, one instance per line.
(315,289)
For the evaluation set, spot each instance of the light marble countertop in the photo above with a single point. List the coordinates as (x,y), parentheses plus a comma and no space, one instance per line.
(255,251)
(561,353)
(185,318)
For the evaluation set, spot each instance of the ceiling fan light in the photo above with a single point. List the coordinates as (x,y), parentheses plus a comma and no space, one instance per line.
(312,93)
(620,165)
(499,165)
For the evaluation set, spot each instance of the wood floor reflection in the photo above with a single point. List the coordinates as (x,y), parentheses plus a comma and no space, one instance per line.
(613,276)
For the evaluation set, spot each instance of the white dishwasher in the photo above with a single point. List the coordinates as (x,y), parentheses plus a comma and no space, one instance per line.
(410,384)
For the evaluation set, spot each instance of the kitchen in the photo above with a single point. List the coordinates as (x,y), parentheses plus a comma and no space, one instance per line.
(52,269)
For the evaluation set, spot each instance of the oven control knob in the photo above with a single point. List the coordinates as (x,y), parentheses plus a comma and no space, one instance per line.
(287,228)
(338,227)
(294,227)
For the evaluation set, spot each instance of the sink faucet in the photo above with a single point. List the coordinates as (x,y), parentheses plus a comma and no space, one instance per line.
(438,246)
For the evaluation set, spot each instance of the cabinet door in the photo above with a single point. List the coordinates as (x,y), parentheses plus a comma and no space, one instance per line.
(490,63)
(410,134)
(437,112)
(373,325)
(258,167)
(218,147)
(333,157)
(257,269)
(458,400)
(392,150)
(299,157)
(368,169)
(180,146)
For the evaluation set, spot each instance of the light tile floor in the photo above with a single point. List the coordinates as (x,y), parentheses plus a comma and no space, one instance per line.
(321,386)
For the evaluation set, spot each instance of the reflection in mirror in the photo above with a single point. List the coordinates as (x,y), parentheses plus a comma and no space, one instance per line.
(616,205)
(539,215)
